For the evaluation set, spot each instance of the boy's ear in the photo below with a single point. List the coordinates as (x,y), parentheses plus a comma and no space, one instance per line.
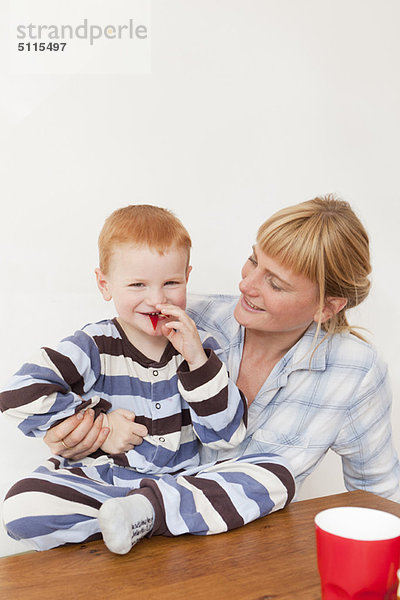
(332,306)
(188,272)
(102,284)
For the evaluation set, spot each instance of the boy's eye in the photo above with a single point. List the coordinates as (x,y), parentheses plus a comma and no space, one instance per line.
(171,283)
(137,284)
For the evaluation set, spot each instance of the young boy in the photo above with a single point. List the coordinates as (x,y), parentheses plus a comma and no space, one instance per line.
(149,366)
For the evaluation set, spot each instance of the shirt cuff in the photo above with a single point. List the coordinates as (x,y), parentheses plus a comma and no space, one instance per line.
(194,379)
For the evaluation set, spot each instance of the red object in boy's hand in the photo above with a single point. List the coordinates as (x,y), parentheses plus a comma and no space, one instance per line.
(154,321)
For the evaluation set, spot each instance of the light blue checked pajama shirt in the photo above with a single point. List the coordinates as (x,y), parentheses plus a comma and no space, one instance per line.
(340,400)
(182,410)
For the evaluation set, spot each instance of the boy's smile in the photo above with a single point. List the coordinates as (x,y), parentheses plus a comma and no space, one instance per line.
(140,278)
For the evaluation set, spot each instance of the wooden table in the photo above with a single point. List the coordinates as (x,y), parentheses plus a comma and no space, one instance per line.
(272,558)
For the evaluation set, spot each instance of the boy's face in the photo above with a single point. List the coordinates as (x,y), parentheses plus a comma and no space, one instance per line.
(138,279)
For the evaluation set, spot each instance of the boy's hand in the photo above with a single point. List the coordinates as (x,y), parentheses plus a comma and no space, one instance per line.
(183,335)
(124,434)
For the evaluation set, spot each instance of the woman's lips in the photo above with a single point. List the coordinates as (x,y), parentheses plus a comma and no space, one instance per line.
(249,306)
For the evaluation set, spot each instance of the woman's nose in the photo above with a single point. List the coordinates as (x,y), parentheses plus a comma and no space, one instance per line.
(249,283)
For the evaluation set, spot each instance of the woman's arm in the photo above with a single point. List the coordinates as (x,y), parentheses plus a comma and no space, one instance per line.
(365,443)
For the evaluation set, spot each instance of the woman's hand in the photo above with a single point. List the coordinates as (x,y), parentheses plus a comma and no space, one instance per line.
(183,335)
(78,436)
(81,434)
(124,434)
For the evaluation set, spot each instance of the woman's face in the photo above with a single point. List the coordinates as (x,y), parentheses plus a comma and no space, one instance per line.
(273,298)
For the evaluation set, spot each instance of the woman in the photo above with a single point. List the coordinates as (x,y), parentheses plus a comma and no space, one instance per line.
(312,383)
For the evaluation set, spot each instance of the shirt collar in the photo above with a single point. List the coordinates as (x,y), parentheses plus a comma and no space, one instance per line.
(301,355)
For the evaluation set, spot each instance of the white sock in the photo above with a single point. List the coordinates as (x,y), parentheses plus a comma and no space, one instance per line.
(124,521)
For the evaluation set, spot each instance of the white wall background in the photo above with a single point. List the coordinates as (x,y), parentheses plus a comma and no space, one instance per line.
(251,105)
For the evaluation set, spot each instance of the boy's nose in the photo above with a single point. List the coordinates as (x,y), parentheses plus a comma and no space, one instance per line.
(156,296)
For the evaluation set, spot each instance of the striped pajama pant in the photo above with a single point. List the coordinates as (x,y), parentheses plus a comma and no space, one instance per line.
(58,504)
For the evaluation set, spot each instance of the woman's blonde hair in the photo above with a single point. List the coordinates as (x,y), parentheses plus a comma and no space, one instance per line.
(142,225)
(325,241)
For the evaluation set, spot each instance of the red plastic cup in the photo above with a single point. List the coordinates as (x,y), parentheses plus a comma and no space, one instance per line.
(358,552)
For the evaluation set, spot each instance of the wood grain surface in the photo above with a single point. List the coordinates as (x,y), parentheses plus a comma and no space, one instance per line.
(272,558)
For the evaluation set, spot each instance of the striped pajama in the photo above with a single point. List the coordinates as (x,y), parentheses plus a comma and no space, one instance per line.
(59,502)
(184,412)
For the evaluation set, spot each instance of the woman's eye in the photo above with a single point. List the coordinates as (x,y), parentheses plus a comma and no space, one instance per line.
(275,287)
(253,260)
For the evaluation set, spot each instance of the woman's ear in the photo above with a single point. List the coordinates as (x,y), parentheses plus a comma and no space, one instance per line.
(331,307)
(103,285)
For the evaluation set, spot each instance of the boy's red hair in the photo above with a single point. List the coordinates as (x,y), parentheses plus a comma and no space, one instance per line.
(141,225)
